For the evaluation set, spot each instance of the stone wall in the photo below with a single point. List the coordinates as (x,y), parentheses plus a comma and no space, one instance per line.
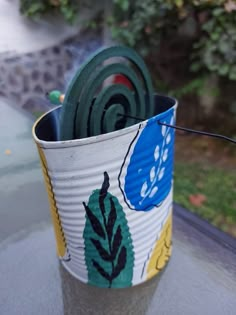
(25,78)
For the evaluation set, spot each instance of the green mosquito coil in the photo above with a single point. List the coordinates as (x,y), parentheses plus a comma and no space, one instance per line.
(90,108)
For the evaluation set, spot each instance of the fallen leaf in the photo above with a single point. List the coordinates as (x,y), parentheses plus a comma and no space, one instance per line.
(8,152)
(197,200)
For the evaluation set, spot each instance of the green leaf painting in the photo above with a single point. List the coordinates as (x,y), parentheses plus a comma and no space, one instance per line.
(108,245)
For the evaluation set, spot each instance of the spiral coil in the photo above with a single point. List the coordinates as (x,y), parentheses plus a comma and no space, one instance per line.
(88,111)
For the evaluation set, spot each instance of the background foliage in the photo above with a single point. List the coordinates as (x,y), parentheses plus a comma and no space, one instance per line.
(210,26)
(36,8)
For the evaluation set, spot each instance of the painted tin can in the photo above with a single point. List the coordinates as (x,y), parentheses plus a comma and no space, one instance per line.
(111,197)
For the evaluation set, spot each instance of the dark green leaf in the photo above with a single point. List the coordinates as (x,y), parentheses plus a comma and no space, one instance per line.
(101,270)
(116,242)
(103,192)
(120,263)
(215,36)
(196,66)
(218,11)
(97,227)
(111,219)
(64,2)
(102,255)
(34,9)
(123,4)
(105,184)
(224,69)
(224,46)
(102,252)
(232,74)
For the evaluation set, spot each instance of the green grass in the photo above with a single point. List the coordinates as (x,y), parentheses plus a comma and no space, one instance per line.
(219,187)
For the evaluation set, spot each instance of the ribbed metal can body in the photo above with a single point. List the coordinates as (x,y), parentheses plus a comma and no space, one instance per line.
(111,198)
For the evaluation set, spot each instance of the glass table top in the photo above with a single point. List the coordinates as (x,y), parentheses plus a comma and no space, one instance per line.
(199,279)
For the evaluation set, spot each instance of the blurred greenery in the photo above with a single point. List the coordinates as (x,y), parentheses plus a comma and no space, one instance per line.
(211,26)
(144,25)
(216,48)
(217,185)
(36,8)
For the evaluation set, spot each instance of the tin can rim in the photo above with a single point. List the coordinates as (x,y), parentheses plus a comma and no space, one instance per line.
(100,138)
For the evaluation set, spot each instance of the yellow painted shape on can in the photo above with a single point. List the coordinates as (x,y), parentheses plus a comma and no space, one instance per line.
(60,238)
(162,250)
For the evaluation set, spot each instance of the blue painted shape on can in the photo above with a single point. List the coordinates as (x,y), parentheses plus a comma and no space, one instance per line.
(149,174)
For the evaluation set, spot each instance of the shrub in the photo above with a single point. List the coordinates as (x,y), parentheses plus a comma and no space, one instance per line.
(210,25)
(35,8)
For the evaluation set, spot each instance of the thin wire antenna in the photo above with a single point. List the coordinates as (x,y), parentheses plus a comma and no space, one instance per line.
(203,133)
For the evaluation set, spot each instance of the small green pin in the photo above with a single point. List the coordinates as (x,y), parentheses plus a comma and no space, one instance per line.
(56,97)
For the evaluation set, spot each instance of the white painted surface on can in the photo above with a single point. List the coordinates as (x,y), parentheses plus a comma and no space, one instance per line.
(76,169)
(75,173)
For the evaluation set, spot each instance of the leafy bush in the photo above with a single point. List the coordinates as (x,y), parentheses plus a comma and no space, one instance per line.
(216,48)
(210,25)
(34,8)
(141,24)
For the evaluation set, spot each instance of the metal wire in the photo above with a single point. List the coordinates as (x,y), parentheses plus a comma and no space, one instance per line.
(202,133)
